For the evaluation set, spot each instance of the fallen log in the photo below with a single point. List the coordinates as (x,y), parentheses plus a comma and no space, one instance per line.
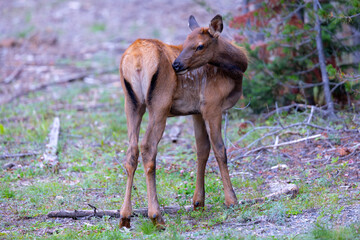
(69,79)
(18,155)
(49,158)
(285,189)
(115,213)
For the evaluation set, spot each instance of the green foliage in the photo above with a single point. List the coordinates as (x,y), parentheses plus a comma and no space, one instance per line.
(283,59)
(98,27)
(146,227)
(227,235)
(323,232)
(6,192)
(331,71)
(277,213)
(2,129)
(26,32)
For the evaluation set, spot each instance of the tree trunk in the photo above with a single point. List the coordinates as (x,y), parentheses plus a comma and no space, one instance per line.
(320,49)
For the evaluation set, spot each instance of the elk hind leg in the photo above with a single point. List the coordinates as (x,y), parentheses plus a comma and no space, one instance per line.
(134,115)
(150,141)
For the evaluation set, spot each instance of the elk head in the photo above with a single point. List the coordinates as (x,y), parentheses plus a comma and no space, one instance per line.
(200,46)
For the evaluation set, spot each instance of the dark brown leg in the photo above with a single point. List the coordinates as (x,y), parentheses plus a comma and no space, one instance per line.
(214,129)
(202,152)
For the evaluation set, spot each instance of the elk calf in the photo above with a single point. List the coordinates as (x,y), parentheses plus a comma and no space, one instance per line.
(202,78)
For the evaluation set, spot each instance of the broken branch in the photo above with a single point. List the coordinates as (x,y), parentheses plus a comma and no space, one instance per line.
(296,106)
(114,213)
(13,75)
(289,189)
(20,155)
(282,144)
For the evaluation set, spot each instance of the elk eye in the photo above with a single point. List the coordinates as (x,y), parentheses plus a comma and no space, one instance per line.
(200,47)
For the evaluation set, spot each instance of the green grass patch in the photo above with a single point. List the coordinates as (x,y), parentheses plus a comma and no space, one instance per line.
(92,146)
(323,232)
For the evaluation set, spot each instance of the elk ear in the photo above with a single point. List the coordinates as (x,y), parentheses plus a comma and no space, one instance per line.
(216,26)
(193,23)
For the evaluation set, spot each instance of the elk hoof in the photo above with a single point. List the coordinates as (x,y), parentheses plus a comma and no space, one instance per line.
(124,222)
(198,205)
(158,221)
(231,205)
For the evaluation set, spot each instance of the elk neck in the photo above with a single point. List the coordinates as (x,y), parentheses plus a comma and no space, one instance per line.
(230,58)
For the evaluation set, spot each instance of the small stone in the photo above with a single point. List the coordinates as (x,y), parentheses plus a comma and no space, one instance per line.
(280,166)
(59,199)
(9,42)
(9,166)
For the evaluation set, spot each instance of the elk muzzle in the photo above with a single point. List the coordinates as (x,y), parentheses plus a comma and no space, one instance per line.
(179,67)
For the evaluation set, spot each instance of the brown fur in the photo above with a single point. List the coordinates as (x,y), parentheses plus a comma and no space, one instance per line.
(211,85)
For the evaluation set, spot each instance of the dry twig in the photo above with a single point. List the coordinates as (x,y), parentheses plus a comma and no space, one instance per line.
(277,145)
(287,127)
(250,223)
(296,106)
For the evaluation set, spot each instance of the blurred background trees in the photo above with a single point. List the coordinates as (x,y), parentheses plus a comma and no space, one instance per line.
(41,39)
(285,67)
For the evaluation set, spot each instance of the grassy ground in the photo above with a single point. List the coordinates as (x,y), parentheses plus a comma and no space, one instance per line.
(92,144)
(93,139)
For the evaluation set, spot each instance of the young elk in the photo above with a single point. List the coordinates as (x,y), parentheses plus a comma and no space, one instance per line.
(202,77)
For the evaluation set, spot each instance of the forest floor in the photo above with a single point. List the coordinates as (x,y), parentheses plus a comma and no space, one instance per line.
(59,62)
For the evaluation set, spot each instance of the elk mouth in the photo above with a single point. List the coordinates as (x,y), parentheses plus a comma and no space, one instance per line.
(182,72)
(179,67)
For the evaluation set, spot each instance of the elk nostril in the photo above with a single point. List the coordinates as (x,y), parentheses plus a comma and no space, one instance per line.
(176,65)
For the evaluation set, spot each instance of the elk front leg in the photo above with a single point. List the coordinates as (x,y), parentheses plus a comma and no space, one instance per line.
(202,152)
(149,145)
(217,143)
(133,117)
